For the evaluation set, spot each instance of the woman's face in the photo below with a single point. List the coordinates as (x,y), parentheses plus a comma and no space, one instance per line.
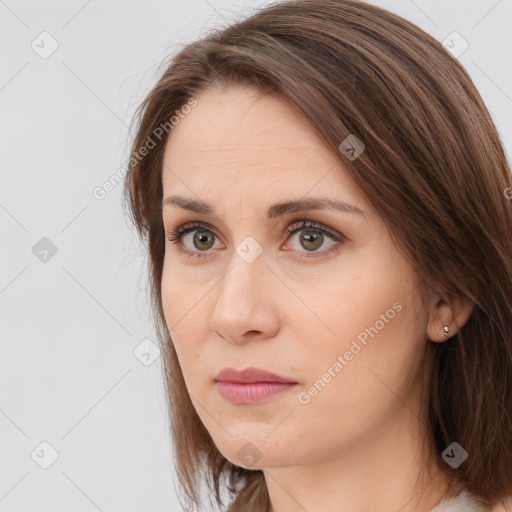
(336,312)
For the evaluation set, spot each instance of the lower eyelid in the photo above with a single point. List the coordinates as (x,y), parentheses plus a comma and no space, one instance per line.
(326,253)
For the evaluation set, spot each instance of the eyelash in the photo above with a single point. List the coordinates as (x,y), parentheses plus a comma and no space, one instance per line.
(174,236)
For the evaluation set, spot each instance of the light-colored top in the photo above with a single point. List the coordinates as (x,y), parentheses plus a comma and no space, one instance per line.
(463,502)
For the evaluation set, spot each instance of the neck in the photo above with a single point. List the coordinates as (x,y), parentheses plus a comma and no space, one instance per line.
(384,471)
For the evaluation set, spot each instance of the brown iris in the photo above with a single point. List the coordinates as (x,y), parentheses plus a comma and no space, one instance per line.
(201,237)
(311,239)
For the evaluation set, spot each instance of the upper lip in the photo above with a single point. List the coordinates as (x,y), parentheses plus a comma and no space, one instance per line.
(249,376)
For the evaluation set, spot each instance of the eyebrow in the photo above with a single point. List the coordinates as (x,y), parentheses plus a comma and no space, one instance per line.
(275,210)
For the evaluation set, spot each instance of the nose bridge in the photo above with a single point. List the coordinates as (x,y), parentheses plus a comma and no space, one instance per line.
(244,299)
(242,283)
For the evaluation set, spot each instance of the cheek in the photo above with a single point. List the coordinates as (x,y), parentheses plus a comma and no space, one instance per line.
(358,394)
(180,296)
(371,320)
(342,306)
(186,318)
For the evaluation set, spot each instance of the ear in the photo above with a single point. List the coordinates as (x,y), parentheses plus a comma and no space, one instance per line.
(454,314)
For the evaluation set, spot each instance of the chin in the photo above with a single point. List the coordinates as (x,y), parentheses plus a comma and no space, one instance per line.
(255,452)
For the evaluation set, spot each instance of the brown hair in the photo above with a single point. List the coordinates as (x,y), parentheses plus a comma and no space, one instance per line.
(433,167)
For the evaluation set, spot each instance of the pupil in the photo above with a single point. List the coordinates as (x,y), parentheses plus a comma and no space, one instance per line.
(310,237)
(202,239)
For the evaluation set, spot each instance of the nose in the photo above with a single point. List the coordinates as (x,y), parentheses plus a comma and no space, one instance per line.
(247,305)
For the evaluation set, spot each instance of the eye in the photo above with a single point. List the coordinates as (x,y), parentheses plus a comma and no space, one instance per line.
(196,238)
(312,237)
(202,238)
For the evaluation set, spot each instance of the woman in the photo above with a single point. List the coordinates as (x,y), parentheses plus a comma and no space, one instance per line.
(324,198)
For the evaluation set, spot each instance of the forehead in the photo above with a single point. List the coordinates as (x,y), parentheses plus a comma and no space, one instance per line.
(243,138)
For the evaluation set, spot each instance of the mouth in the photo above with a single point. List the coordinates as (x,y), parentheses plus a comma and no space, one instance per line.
(251,385)
(251,393)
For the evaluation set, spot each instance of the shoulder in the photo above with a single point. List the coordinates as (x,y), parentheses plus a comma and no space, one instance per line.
(465,502)
(504,508)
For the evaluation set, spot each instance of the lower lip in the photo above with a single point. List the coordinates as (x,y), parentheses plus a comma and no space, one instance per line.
(250,393)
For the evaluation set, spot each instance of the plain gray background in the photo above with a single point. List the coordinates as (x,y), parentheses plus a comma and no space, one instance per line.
(72,319)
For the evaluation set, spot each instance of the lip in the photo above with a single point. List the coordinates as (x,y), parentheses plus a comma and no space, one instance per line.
(250,385)
(238,393)
(250,376)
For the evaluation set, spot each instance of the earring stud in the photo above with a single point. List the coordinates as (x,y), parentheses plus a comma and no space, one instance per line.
(445,331)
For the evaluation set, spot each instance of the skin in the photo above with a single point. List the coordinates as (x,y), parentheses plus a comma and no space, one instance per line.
(356,442)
